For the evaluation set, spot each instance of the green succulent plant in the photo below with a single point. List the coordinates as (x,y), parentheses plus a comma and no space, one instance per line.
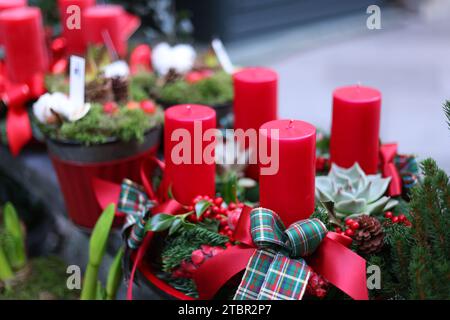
(352,193)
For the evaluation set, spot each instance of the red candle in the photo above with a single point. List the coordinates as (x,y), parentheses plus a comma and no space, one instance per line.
(255,101)
(187,171)
(355,127)
(24,41)
(290,191)
(112,22)
(72,34)
(10,4)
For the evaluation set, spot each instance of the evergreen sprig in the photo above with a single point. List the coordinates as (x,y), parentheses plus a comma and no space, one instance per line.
(447,112)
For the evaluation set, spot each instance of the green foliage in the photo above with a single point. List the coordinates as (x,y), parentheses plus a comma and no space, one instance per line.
(98,127)
(47,279)
(6,272)
(429,269)
(114,276)
(215,90)
(181,246)
(97,247)
(447,111)
(16,236)
(140,85)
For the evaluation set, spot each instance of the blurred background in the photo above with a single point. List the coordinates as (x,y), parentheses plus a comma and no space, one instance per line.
(318,45)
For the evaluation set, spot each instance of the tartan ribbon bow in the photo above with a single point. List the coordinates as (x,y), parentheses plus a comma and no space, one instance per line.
(134,202)
(277,271)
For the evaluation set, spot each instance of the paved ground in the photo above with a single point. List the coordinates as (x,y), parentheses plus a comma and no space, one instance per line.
(408,60)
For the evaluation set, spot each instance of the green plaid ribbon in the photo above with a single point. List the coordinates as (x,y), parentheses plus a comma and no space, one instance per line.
(135,203)
(276,270)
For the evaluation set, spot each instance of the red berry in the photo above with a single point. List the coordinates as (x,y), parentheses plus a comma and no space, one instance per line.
(349,222)
(388,214)
(241,205)
(206,249)
(232,206)
(401,218)
(148,106)
(218,201)
(394,219)
(354,226)
(197,256)
(228,244)
(349,232)
(338,230)
(110,107)
(217,250)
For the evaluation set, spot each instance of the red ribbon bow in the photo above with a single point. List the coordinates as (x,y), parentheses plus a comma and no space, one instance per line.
(388,168)
(333,260)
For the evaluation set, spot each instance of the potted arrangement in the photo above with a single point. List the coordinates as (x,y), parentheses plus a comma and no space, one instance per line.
(108,137)
(183,77)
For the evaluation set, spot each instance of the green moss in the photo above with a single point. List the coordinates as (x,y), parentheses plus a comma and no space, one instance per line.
(215,90)
(98,126)
(140,86)
(48,277)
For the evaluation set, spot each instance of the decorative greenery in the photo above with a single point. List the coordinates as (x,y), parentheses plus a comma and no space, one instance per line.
(352,193)
(447,111)
(214,90)
(97,247)
(98,127)
(140,85)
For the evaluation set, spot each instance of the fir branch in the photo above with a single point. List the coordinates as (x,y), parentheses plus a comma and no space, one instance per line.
(447,112)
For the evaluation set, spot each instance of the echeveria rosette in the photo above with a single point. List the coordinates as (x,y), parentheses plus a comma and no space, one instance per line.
(354,193)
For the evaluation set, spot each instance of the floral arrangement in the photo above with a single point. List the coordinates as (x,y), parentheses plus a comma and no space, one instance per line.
(184,77)
(118,105)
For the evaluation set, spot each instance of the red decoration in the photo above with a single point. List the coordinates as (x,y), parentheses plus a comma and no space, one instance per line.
(255,101)
(26,61)
(73,35)
(141,59)
(355,127)
(112,22)
(388,168)
(290,191)
(188,180)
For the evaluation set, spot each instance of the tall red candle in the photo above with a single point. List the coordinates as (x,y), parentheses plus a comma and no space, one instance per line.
(24,41)
(192,177)
(10,4)
(290,191)
(355,127)
(73,35)
(112,19)
(255,101)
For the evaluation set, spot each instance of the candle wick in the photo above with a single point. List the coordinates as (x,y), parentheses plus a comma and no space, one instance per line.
(189,107)
(291,124)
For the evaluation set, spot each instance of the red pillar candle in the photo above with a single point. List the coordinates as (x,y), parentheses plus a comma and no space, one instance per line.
(355,127)
(191,176)
(113,19)
(10,4)
(73,35)
(255,101)
(290,191)
(24,41)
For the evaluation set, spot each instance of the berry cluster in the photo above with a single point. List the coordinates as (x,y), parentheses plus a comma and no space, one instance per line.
(317,286)
(351,227)
(401,218)
(227,214)
(148,106)
(188,268)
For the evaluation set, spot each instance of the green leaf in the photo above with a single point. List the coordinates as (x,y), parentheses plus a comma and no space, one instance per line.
(176,225)
(201,207)
(5,269)
(160,222)
(100,234)
(114,276)
(14,228)
(170,192)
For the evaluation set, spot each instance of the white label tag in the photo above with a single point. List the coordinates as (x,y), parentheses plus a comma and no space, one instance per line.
(77,73)
(222,56)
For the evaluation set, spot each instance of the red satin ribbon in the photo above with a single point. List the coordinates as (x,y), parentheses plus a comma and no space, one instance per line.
(388,168)
(108,192)
(333,260)
(140,59)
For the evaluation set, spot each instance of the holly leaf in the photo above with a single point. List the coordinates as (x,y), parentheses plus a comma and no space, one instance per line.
(201,207)
(176,225)
(160,222)
(170,192)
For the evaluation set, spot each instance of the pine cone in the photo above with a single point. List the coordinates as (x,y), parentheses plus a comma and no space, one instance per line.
(317,286)
(120,89)
(369,237)
(99,90)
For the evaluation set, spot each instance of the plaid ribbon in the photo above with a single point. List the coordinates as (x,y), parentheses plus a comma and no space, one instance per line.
(276,270)
(134,202)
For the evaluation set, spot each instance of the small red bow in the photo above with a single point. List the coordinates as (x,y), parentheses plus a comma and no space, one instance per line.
(388,168)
